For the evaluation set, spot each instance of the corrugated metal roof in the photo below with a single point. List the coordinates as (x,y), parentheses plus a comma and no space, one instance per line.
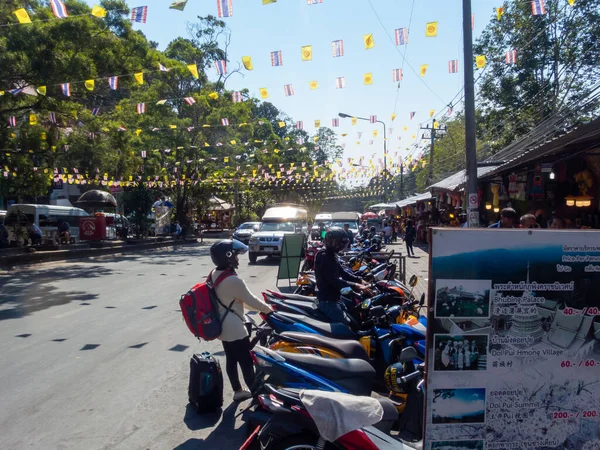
(455,181)
(414,199)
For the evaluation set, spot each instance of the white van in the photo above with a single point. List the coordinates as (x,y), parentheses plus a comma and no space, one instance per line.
(44,216)
(277,222)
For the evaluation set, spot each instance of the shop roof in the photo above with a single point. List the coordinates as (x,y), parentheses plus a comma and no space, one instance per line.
(453,182)
(414,199)
(546,143)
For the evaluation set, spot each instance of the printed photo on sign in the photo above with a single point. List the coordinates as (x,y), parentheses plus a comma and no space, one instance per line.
(460,352)
(462,299)
(457,445)
(458,406)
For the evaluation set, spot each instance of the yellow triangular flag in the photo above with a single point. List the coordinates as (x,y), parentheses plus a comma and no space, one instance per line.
(233,142)
(268,2)
(226,159)
(431,112)
(368,40)
(213,95)
(281,124)
(317,123)
(264,93)
(368,78)
(89,84)
(32,119)
(313,85)
(393,116)
(161,102)
(423,69)
(480,61)
(193,68)
(499,13)
(354,121)
(307,53)
(41,90)
(139,77)
(172,127)
(22,16)
(405,128)
(571,2)
(435,124)
(431,29)
(247,62)
(98,11)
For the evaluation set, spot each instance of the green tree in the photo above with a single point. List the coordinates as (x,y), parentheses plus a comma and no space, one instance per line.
(557,65)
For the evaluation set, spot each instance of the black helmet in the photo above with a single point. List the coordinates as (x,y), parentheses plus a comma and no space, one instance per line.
(392,378)
(224,253)
(373,230)
(336,239)
(365,234)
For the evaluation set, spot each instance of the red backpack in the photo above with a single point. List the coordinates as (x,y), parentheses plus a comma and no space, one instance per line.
(200,308)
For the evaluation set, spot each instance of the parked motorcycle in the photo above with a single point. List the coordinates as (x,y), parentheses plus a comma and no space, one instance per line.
(314,419)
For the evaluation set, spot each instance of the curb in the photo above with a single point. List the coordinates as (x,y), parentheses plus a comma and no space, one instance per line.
(65,255)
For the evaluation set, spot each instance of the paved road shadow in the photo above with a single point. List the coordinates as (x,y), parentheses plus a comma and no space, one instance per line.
(224,436)
(25,292)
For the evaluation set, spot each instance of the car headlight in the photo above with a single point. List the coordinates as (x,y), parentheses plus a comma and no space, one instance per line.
(253,240)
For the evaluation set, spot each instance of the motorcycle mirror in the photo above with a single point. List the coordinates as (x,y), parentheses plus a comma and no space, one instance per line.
(413,280)
(422,301)
(365,304)
(408,354)
(346,291)
(378,311)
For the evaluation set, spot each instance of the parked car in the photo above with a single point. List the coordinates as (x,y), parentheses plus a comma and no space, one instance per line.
(245,231)
(277,222)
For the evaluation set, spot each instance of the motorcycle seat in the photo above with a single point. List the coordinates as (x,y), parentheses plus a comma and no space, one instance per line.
(354,375)
(304,298)
(334,330)
(348,348)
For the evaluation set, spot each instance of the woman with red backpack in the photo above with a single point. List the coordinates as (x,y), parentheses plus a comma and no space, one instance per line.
(233,294)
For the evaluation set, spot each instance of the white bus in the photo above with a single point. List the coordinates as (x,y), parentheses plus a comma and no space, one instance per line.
(44,216)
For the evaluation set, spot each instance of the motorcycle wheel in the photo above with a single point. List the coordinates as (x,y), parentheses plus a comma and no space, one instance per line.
(307,441)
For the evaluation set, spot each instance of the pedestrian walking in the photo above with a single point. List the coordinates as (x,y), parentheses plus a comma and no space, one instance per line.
(409,237)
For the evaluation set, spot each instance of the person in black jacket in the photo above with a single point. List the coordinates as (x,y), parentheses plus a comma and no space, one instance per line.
(331,277)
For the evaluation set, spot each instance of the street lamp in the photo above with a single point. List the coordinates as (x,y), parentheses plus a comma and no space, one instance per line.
(347,116)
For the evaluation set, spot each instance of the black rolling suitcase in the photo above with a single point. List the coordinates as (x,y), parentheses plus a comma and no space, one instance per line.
(205,391)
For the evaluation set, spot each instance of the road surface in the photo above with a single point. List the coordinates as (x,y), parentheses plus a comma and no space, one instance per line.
(95,354)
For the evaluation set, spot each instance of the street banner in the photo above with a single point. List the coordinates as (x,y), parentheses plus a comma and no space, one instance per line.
(513,340)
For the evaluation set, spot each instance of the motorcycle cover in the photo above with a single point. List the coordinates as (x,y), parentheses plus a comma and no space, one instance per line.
(336,414)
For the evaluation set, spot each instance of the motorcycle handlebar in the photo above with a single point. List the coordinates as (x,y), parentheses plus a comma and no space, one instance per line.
(410,376)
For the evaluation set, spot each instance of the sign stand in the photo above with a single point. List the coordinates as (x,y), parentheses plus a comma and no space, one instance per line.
(291,257)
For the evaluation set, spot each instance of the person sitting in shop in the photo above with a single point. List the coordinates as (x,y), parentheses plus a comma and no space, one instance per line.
(529,221)
(507,219)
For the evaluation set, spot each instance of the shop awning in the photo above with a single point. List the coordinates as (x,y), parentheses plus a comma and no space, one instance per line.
(456,181)
(413,200)
(216,204)
(383,206)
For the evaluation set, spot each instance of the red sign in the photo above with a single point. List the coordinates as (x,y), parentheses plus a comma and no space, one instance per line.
(92,228)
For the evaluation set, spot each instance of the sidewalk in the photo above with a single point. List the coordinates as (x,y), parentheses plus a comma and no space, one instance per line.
(18,257)
(417,265)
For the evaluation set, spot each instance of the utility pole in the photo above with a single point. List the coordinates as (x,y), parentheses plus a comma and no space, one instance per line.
(470,140)
(432,132)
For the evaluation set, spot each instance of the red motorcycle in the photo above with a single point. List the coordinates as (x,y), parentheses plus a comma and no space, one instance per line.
(309,255)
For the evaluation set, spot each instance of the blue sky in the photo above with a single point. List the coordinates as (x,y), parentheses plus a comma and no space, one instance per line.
(290,24)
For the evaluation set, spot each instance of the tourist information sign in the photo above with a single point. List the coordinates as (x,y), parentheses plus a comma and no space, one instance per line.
(513,340)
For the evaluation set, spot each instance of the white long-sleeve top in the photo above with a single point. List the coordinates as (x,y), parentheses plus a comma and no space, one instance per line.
(230,289)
